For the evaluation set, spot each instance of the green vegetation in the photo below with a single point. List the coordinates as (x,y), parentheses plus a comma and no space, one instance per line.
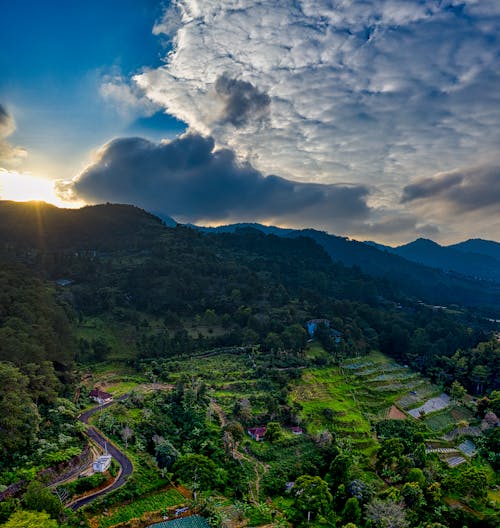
(156,502)
(205,333)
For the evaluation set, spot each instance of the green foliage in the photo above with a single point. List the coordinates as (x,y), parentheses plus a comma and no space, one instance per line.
(386,514)
(352,511)
(416,475)
(83,484)
(41,499)
(19,417)
(457,391)
(197,471)
(30,519)
(471,482)
(311,495)
(166,455)
(273,432)
(412,494)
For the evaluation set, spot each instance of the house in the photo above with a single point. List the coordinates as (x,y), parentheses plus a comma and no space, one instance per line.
(64,282)
(257,433)
(337,336)
(102,463)
(296,430)
(101,397)
(313,324)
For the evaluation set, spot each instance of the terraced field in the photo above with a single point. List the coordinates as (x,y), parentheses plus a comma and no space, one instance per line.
(347,399)
(380,382)
(328,400)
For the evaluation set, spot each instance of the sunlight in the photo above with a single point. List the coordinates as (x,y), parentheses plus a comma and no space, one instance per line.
(23,187)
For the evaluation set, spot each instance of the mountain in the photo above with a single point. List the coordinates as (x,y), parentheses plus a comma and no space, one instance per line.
(107,228)
(479,246)
(415,279)
(473,258)
(38,225)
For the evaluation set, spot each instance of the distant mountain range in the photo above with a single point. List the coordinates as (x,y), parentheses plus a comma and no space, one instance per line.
(454,274)
(475,258)
(465,274)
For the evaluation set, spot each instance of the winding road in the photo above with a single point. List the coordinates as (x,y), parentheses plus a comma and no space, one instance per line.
(126,466)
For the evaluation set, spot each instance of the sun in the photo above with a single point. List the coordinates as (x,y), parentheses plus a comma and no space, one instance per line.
(24,187)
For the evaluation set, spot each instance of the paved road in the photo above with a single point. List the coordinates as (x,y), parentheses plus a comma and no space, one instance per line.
(121,458)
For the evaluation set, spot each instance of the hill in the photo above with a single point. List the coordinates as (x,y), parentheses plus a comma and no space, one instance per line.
(411,278)
(474,259)
(479,246)
(39,225)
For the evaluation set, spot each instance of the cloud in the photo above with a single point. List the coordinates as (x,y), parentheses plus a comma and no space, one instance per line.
(242,101)
(126,97)
(401,225)
(460,191)
(362,91)
(190,180)
(9,155)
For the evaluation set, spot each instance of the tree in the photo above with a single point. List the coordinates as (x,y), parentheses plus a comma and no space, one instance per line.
(457,391)
(312,496)
(126,433)
(19,418)
(295,337)
(339,471)
(273,431)
(416,475)
(390,453)
(386,514)
(472,482)
(197,471)
(41,499)
(352,511)
(30,519)
(165,454)
(433,493)
(412,494)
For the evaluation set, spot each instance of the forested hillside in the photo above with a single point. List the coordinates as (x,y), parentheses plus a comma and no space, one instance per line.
(209,331)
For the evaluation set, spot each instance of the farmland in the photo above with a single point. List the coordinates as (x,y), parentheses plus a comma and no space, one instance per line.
(125,512)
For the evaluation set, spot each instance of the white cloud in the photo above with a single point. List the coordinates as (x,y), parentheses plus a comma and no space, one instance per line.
(358,89)
(126,97)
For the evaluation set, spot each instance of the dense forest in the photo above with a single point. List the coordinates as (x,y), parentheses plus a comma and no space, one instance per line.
(217,323)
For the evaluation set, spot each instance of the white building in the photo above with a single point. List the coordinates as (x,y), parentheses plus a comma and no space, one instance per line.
(102,463)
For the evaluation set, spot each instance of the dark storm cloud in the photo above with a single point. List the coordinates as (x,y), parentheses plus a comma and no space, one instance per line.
(190,180)
(463,190)
(243,102)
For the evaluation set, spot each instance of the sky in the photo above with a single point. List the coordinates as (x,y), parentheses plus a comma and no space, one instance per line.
(371,119)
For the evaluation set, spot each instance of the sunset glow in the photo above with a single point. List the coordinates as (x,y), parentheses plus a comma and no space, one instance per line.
(23,187)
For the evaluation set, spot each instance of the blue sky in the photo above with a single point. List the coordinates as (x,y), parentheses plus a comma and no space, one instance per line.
(376,119)
(54,56)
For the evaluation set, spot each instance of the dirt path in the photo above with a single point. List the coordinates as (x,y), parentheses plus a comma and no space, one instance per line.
(219,412)
(258,467)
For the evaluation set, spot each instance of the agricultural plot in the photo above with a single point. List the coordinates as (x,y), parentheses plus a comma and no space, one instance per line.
(433,405)
(193,521)
(134,510)
(442,421)
(468,448)
(328,401)
(347,399)
(380,383)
